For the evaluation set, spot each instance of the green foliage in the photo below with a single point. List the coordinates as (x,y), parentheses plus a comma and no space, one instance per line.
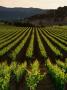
(63,65)
(30,49)
(34,76)
(57,75)
(4,76)
(20,46)
(9,46)
(10,37)
(18,69)
(53,48)
(5,73)
(41,46)
(56,41)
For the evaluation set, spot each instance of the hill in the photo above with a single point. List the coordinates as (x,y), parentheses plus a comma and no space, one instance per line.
(52,16)
(18,13)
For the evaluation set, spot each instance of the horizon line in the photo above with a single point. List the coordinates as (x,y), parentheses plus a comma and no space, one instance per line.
(30,7)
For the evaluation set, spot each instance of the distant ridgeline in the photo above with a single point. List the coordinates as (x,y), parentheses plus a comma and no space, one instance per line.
(57,16)
(33,16)
(13,14)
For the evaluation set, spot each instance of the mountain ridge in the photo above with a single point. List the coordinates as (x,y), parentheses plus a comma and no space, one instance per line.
(16,13)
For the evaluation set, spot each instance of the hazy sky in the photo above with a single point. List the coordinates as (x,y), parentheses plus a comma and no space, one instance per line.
(34,3)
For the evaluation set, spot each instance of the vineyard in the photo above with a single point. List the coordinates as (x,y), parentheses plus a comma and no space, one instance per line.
(33,58)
